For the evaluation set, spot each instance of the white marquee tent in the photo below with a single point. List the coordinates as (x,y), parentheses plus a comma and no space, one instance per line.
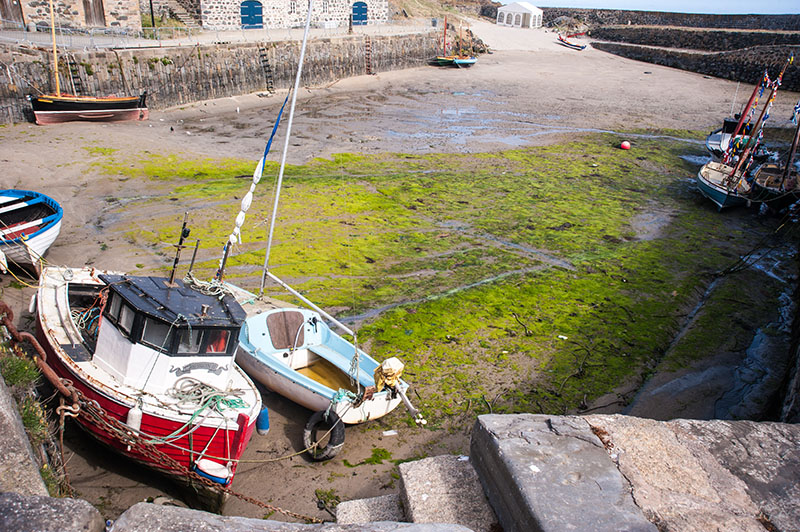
(519,15)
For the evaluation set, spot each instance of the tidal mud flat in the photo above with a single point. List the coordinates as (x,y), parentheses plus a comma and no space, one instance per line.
(523,261)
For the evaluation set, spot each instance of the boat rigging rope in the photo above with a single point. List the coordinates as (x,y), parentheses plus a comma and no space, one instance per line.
(190,391)
(212,288)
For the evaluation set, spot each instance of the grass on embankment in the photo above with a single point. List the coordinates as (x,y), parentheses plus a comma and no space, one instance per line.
(523,281)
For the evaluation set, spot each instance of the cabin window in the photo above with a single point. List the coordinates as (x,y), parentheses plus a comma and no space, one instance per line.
(203,341)
(114,307)
(292,7)
(126,316)
(324,6)
(155,334)
(189,341)
(217,341)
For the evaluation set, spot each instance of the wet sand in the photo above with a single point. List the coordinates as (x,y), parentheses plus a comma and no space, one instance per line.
(529,91)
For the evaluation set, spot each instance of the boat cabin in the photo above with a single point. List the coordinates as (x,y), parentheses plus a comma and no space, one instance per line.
(151,334)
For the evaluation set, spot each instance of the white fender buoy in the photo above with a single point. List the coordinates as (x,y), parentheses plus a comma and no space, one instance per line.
(134,419)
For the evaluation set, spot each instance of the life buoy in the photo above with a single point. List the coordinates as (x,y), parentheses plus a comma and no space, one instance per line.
(319,422)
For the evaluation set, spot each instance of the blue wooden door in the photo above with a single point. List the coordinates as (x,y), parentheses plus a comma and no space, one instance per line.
(252,14)
(360,14)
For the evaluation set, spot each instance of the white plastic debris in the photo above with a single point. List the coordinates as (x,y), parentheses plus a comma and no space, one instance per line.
(561,336)
(390,433)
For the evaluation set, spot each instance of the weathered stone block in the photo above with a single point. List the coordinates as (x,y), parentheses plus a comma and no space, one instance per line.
(18,469)
(144,517)
(445,489)
(384,508)
(548,473)
(46,514)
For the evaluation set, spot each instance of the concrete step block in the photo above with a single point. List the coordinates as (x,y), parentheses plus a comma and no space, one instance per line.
(549,474)
(445,489)
(384,508)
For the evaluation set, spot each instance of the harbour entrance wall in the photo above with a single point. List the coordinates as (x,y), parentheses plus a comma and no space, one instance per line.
(180,75)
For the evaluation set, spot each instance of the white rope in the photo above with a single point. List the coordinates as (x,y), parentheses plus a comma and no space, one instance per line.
(212,288)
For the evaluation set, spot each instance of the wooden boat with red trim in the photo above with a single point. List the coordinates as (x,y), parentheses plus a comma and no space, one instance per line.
(29,224)
(61,107)
(157,356)
(53,109)
(564,42)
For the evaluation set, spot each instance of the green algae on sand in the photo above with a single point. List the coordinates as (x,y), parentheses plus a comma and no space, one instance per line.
(531,280)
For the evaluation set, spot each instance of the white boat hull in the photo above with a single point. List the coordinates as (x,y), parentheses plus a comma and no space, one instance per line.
(29,252)
(381,404)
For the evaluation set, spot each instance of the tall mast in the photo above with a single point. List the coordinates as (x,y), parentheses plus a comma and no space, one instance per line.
(285,148)
(55,53)
(444,43)
(793,149)
(749,105)
(754,133)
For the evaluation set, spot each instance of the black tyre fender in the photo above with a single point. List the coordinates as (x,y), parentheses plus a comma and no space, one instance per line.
(335,440)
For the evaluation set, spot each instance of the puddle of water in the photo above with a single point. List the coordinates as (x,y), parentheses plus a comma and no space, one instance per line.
(699,160)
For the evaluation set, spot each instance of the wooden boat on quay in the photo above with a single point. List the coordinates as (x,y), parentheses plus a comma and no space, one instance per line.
(154,361)
(453,60)
(563,41)
(29,224)
(56,108)
(719,183)
(728,183)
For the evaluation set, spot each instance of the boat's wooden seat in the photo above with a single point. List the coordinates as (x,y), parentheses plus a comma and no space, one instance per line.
(13,231)
(19,204)
(327,374)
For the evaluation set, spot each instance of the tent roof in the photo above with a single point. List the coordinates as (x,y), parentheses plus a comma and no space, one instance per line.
(520,7)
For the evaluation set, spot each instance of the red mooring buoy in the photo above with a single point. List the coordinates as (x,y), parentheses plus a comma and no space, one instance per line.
(625,145)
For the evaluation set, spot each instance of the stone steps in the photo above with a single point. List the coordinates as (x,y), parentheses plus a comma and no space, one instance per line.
(182,14)
(442,489)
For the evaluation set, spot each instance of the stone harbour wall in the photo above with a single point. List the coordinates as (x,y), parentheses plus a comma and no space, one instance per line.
(685,38)
(746,66)
(180,75)
(605,17)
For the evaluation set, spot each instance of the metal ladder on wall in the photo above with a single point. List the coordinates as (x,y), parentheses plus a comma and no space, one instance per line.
(368,54)
(74,75)
(267,67)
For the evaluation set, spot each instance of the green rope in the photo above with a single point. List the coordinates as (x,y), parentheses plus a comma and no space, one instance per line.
(340,396)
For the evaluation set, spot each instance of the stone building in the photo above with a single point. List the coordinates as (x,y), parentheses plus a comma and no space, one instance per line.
(123,14)
(519,15)
(253,14)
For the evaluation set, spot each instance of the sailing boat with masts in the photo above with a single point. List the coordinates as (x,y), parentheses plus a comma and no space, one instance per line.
(294,352)
(456,60)
(777,185)
(58,107)
(734,131)
(725,183)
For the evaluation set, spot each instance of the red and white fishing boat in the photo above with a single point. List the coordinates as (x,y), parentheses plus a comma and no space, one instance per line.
(156,355)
